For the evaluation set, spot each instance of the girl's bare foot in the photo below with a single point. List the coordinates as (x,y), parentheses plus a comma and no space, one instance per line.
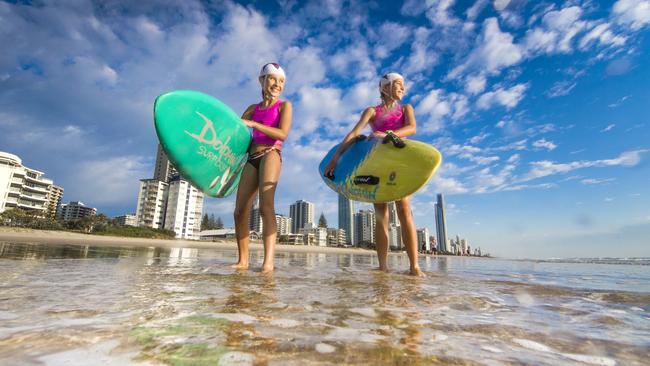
(239,265)
(383,268)
(267,268)
(415,271)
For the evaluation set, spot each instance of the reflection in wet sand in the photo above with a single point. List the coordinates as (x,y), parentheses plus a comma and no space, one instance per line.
(184,307)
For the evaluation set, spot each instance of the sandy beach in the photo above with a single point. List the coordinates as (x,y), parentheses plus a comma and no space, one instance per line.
(23,235)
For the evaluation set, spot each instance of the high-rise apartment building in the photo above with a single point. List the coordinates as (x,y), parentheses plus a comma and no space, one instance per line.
(441,225)
(54,200)
(152,203)
(168,201)
(302,215)
(26,188)
(255,219)
(164,170)
(365,226)
(74,211)
(394,237)
(346,219)
(184,209)
(283,224)
(423,239)
(392,214)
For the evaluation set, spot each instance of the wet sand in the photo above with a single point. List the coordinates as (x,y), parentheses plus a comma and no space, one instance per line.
(32,236)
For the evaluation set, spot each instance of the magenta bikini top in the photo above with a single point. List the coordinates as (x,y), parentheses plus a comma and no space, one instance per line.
(268,117)
(384,120)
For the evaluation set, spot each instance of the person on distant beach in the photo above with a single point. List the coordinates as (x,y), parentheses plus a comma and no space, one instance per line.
(387,118)
(271,122)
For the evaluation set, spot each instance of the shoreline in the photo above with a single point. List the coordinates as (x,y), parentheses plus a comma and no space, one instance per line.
(34,236)
(62,237)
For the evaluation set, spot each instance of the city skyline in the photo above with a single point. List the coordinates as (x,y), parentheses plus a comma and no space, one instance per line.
(538,109)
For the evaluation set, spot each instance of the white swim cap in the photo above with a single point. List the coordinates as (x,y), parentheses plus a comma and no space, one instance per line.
(389,78)
(272,69)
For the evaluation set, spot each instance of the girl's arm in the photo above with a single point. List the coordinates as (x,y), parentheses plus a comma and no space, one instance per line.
(366,116)
(277,133)
(409,128)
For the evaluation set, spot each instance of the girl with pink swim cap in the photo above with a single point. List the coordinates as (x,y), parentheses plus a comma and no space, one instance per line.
(271,121)
(389,117)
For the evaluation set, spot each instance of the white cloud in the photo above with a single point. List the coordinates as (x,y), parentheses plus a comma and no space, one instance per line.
(304,66)
(544,144)
(473,11)
(475,84)
(391,36)
(508,98)
(440,14)
(500,124)
(422,57)
(354,62)
(592,181)
(559,28)
(117,175)
(545,168)
(601,34)
(634,13)
(478,138)
(495,51)
(436,106)
(561,88)
(608,128)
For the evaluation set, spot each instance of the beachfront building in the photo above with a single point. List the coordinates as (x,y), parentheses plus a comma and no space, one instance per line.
(283,224)
(255,218)
(152,202)
(26,188)
(315,236)
(164,171)
(336,237)
(74,210)
(302,215)
(184,209)
(423,240)
(365,227)
(211,235)
(441,225)
(291,239)
(346,219)
(54,197)
(394,237)
(127,220)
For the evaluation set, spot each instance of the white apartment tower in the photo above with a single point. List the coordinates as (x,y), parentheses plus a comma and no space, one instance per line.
(26,188)
(364,221)
(283,224)
(184,209)
(152,202)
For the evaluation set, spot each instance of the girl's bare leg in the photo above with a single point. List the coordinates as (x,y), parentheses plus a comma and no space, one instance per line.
(381,234)
(245,196)
(268,178)
(409,235)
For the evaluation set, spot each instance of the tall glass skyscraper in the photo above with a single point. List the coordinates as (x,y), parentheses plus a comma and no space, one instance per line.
(441,224)
(346,219)
(302,215)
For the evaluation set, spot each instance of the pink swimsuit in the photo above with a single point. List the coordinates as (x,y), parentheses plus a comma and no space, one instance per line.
(268,117)
(384,120)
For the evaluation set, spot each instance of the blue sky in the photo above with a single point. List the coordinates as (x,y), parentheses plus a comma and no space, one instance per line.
(539,108)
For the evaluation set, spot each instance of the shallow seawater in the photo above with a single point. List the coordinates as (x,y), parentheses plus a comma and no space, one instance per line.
(84,305)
